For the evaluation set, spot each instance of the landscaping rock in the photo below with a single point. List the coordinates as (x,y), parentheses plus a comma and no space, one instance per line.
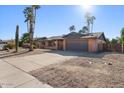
(109,63)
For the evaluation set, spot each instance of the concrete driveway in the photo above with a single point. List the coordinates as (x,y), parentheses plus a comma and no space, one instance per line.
(14,71)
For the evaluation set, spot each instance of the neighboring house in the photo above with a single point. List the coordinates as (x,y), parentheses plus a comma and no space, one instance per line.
(90,42)
(2,44)
(40,42)
(11,41)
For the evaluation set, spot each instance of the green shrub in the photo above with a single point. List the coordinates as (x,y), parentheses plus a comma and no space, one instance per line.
(34,46)
(20,44)
(9,46)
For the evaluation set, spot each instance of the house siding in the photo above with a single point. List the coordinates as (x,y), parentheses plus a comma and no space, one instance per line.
(74,41)
(92,45)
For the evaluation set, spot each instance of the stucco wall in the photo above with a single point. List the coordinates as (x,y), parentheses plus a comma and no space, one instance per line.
(92,45)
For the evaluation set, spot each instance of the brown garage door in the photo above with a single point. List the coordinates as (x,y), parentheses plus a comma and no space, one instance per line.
(78,45)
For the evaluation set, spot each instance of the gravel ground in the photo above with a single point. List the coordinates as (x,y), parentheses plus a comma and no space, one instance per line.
(85,72)
(21,53)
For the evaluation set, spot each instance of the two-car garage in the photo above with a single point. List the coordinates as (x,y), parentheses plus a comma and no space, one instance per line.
(77,44)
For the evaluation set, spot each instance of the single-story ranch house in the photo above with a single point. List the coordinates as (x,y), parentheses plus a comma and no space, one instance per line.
(89,42)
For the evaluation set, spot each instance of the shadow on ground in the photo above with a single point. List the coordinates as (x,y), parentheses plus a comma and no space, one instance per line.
(81,54)
(14,54)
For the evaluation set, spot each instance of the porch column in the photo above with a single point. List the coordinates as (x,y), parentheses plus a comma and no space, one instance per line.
(56,42)
(46,44)
(64,44)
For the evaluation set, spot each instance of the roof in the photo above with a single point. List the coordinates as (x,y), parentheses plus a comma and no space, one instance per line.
(97,34)
(72,33)
(40,38)
(55,37)
(93,35)
(85,35)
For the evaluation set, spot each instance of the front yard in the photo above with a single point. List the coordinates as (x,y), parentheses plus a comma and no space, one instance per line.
(93,70)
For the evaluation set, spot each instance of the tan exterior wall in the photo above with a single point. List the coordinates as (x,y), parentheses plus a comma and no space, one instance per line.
(60,45)
(92,45)
(55,44)
(64,44)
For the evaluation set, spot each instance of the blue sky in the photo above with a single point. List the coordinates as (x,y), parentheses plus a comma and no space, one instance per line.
(55,20)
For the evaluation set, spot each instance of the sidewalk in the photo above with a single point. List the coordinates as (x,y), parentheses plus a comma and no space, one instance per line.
(11,77)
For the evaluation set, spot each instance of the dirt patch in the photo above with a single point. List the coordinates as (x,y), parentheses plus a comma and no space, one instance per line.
(22,53)
(83,72)
(114,57)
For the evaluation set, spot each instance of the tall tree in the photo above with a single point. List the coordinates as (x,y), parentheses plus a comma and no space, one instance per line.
(108,41)
(118,40)
(122,39)
(83,30)
(92,21)
(88,21)
(36,7)
(27,14)
(72,28)
(30,15)
(114,41)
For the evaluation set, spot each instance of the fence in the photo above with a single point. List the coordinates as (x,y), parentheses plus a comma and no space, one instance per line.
(112,47)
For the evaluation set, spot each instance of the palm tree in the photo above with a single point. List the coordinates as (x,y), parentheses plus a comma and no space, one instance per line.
(27,14)
(35,7)
(72,28)
(88,21)
(118,40)
(83,30)
(122,39)
(92,21)
(30,15)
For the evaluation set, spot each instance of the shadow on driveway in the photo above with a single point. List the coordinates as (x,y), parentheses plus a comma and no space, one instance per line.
(81,54)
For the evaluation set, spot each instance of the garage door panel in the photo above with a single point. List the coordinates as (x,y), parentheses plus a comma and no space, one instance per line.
(77,45)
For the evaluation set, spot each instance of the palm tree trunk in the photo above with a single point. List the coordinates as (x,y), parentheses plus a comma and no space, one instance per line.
(88,26)
(91,28)
(31,33)
(122,47)
(28,26)
(34,17)
(31,30)
(87,20)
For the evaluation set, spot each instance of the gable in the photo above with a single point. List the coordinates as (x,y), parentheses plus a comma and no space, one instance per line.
(102,37)
(72,35)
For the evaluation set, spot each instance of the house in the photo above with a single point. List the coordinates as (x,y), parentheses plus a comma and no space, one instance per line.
(11,41)
(2,44)
(89,42)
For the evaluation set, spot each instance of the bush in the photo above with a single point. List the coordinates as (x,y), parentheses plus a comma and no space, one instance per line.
(20,43)
(34,46)
(26,45)
(9,46)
